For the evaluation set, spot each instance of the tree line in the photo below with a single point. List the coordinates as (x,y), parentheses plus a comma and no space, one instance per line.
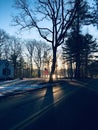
(25,55)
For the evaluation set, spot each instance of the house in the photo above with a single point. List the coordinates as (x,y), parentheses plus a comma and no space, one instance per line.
(6,70)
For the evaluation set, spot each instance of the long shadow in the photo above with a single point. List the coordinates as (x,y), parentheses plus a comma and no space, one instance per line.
(47,103)
(48,98)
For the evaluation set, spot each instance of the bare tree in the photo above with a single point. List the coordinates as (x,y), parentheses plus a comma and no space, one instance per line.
(15,53)
(3,40)
(3,36)
(40,57)
(6,49)
(59,14)
(47,55)
(30,47)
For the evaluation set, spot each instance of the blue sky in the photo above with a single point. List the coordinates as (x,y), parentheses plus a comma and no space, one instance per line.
(5,15)
(6,12)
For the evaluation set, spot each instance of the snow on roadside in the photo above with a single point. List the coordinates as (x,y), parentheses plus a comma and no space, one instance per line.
(18,85)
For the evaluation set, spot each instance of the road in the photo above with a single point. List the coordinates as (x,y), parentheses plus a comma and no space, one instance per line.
(67,105)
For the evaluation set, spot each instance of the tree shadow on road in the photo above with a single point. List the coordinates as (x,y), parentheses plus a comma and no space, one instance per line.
(48,97)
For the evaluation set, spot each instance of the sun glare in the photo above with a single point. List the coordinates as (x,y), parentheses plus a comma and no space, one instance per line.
(54,76)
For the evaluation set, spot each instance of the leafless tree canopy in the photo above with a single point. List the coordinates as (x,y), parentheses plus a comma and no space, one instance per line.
(59,14)
(52,19)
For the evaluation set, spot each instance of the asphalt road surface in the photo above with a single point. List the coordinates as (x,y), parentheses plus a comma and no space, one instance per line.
(65,105)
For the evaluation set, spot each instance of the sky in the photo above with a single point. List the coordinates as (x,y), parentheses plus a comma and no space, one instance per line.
(5,15)
(6,12)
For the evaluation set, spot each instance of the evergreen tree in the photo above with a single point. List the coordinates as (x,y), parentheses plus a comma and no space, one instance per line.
(89,49)
(86,49)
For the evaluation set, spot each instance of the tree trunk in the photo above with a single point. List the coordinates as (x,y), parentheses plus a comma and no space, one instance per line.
(31,71)
(77,71)
(39,73)
(53,64)
(71,70)
(86,66)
